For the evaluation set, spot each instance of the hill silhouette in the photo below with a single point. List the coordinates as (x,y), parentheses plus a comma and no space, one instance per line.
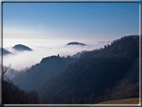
(5,52)
(21,47)
(76,43)
(49,67)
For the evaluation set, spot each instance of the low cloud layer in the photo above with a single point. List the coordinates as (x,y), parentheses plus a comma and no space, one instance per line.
(41,49)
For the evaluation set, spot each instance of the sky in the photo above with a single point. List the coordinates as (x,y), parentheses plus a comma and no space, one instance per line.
(85,21)
(48,27)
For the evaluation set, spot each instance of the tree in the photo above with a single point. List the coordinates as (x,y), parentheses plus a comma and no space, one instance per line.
(11,94)
(4,70)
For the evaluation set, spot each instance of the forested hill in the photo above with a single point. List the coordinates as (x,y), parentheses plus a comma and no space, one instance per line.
(125,46)
(99,75)
(48,67)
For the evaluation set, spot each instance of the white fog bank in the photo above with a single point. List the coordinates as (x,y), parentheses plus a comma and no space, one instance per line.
(43,48)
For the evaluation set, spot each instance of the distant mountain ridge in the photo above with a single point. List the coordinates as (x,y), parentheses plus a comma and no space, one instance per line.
(21,47)
(76,43)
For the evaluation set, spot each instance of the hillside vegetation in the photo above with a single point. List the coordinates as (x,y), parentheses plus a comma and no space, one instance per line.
(49,67)
(99,75)
(12,94)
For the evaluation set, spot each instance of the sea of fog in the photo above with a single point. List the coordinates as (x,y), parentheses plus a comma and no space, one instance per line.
(43,48)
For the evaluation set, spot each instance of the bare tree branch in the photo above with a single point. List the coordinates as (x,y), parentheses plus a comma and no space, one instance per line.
(4,70)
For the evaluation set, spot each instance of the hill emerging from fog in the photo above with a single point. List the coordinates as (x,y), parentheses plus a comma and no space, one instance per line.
(21,47)
(76,43)
(5,52)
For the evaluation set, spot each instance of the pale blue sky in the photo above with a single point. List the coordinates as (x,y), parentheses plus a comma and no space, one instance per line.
(70,20)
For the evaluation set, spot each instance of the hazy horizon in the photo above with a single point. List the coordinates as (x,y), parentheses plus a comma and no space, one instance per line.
(43,48)
(48,27)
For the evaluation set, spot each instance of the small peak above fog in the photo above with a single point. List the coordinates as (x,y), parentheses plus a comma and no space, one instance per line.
(5,52)
(21,47)
(76,43)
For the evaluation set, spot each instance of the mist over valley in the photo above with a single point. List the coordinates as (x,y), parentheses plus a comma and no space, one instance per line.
(41,48)
(76,75)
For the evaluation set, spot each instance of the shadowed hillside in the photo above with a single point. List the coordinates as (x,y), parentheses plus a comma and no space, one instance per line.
(12,94)
(88,79)
(48,67)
